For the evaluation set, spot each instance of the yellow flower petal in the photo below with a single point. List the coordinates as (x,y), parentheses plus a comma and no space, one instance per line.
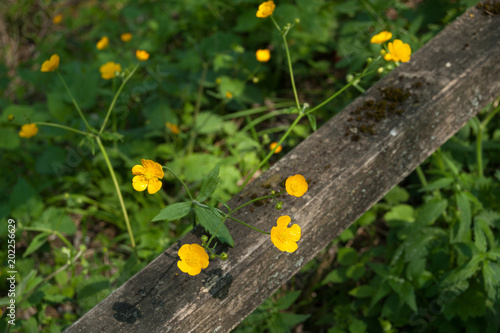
(266,9)
(283,221)
(193,259)
(154,185)
(102,43)
(263,55)
(139,183)
(126,37)
(142,55)
(278,150)
(285,239)
(296,185)
(398,51)
(109,70)
(184,251)
(138,170)
(28,130)
(381,37)
(51,64)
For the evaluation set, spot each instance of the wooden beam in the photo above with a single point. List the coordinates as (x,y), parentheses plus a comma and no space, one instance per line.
(350,163)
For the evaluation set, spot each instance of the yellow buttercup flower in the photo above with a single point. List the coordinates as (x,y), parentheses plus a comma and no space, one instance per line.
(57,19)
(103,43)
(28,130)
(263,55)
(382,37)
(172,127)
(142,55)
(51,64)
(126,37)
(285,238)
(266,9)
(229,95)
(274,144)
(193,259)
(296,185)
(147,176)
(398,51)
(109,69)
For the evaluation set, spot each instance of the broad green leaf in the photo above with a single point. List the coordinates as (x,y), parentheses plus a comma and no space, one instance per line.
(356,271)
(213,224)
(286,301)
(209,184)
(367,218)
(173,212)
(290,320)
(336,276)
(36,243)
(57,106)
(464,216)
(429,212)
(347,256)
(357,326)
(363,291)
(207,123)
(415,268)
(397,195)
(9,138)
(399,213)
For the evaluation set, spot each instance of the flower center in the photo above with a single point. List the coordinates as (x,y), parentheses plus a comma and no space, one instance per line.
(148,175)
(296,186)
(192,261)
(283,236)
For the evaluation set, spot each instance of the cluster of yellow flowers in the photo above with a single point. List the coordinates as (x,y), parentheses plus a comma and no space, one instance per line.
(398,51)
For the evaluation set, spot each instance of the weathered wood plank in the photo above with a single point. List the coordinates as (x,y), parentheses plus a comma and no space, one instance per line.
(448,81)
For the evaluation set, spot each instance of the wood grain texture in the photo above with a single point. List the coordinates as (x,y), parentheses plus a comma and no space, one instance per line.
(448,80)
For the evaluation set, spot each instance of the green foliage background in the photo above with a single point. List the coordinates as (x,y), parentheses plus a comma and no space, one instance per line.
(423,259)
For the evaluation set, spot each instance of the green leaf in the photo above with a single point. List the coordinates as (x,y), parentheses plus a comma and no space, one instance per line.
(207,123)
(336,276)
(491,275)
(312,121)
(357,326)
(111,136)
(36,243)
(429,212)
(290,320)
(367,218)
(363,291)
(396,196)
(347,256)
(91,291)
(57,107)
(9,138)
(286,301)
(356,271)
(438,184)
(213,224)
(464,216)
(399,213)
(209,184)
(479,238)
(173,212)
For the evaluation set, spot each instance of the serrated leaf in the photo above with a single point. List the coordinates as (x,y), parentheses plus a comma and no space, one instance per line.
(209,184)
(397,195)
(213,225)
(336,276)
(363,291)
(347,256)
(491,279)
(36,243)
(312,121)
(429,212)
(173,212)
(479,238)
(357,326)
(286,301)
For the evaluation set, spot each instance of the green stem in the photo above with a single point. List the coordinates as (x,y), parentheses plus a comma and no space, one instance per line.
(63,127)
(421,176)
(197,109)
(260,119)
(116,98)
(268,156)
(490,116)
(118,191)
(74,101)
(253,111)
(283,35)
(248,225)
(183,184)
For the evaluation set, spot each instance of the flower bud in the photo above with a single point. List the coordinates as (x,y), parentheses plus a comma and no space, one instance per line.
(273,192)
(212,256)
(389,67)
(297,20)
(349,77)
(204,238)
(279,205)
(380,70)
(223,256)
(369,60)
